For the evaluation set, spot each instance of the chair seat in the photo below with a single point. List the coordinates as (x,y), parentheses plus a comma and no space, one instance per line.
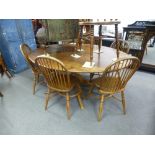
(75,79)
(74,89)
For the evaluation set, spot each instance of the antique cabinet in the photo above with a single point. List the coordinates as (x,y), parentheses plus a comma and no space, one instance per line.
(60,29)
(138,34)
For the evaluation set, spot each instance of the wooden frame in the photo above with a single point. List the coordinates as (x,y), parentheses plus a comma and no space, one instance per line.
(114,79)
(59,79)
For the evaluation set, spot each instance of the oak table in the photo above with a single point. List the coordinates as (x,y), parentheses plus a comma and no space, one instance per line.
(75,65)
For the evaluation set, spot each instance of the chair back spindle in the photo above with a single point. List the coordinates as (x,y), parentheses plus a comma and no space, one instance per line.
(55,73)
(116,75)
(122,45)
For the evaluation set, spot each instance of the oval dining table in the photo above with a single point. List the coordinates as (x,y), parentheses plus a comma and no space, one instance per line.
(65,54)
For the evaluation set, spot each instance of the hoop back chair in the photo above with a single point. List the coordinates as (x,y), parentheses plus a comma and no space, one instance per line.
(114,79)
(122,45)
(26,50)
(59,79)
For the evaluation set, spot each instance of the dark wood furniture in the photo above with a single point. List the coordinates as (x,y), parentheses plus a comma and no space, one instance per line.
(4,70)
(145,29)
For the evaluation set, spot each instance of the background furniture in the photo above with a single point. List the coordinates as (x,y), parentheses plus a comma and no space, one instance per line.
(145,29)
(122,45)
(1,95)
(60,29)
(4,68)
(13,32)
(90,34)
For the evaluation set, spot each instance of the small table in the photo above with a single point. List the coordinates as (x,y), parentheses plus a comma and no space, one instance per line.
(90,33)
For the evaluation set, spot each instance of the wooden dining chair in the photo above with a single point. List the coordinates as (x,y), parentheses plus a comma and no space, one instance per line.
(122,45)
(26,50)
(114,80)
(59,79)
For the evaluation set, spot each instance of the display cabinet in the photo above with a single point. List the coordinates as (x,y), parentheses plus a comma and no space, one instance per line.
(138,35)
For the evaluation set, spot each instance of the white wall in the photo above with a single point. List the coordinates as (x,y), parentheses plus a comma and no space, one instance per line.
(124,23)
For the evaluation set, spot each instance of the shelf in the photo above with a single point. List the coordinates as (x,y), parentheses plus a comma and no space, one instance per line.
(100,23)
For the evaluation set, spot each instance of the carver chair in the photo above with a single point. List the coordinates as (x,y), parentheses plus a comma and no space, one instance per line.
(59,79)
(26,50)
(122,45)
(114,80)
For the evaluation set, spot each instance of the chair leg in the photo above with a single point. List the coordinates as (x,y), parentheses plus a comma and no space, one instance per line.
(35,82)
(68,105)
(80,102)
(47,99)
(1,95)
(37,78)
(90,91)
(123,102)
(91,76)
(101,108)
(79,97)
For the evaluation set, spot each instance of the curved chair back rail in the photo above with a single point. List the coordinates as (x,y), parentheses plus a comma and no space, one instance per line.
(55,73)
(26,51)
(116,75)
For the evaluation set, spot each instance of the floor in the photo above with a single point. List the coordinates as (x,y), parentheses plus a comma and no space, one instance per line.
(149,58)
(23,113)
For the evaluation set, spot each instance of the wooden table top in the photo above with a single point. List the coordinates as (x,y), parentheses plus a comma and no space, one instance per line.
(64,53)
